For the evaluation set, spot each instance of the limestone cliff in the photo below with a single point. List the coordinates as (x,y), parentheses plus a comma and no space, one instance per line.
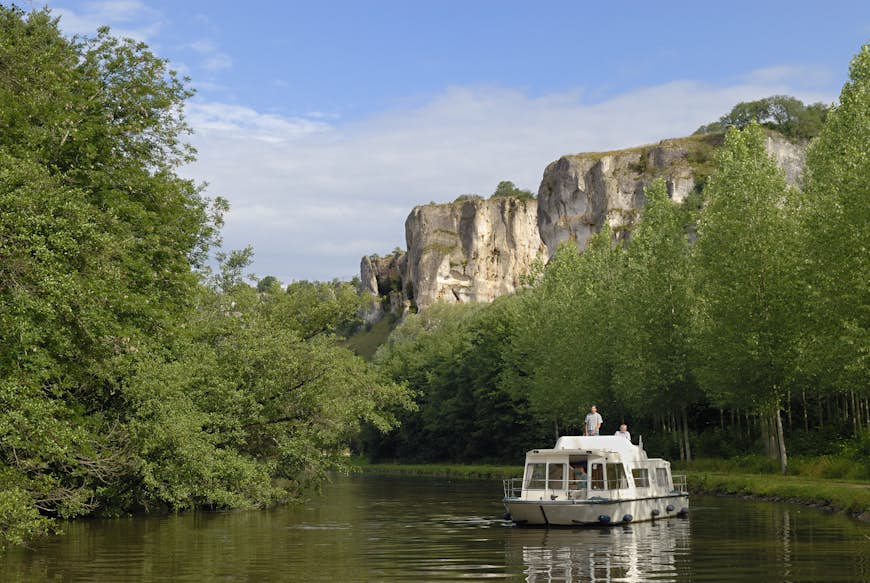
(580,192)
(475,250)
(381,281)
(470,251)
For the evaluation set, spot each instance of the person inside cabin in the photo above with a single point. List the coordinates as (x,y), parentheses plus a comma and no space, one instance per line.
(593,422)
(623,432)
(580,477)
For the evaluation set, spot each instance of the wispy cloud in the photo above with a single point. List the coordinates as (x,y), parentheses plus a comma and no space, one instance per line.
(126,18)
(213,58)
(313,195)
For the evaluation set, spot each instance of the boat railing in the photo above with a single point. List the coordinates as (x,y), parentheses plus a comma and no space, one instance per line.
(680,482)
(513,487)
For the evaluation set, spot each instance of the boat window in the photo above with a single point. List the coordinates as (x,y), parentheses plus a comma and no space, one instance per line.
(536,476)
(556,476)
(616,477)
(662,477)
(641,477)
(596,477)
(576,478)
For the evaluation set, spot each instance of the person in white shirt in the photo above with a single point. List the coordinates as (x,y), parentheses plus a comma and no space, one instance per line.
(593,422)
(623,432)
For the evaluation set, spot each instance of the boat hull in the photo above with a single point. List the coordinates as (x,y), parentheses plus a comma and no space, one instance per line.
(595,512)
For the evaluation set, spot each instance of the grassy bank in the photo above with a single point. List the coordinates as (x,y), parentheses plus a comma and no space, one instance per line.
(838,495)
(850,497)
(485,471)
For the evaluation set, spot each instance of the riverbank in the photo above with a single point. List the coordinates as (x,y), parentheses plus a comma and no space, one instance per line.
(852,498)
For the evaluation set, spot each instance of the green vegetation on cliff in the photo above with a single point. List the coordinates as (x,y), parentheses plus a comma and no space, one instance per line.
(785,114)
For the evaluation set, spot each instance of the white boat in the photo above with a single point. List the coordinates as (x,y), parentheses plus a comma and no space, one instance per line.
(621,485)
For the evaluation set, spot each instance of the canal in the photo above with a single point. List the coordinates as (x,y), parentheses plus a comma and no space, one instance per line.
(377,528)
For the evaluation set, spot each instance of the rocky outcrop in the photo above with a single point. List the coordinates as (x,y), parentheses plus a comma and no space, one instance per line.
(791,157)
(381,281)
(470,251)
(580,193)
(475,250)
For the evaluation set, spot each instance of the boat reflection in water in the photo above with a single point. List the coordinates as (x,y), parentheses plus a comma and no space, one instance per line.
(633,553)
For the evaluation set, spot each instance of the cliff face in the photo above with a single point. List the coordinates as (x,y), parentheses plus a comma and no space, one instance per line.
(580,192)
(470,251)
(381,280)
(476,250)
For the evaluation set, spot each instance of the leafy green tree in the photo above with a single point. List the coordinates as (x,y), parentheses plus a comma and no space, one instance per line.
(269,284)
(455,357)
(568,331)
(506,188)
(125,383)
(747,281)
(99,238)
(653,374)
(835,215)
(782,113)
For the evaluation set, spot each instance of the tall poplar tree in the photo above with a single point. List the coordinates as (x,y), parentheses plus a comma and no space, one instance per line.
(746,274)
(835,220)
(653,375)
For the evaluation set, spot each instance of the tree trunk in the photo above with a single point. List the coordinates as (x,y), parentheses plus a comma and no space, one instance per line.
(821,416)
(675,428)
(686,436)
(806,417)
(783,458)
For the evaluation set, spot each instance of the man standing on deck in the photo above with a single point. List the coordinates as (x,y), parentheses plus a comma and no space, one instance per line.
(593,422)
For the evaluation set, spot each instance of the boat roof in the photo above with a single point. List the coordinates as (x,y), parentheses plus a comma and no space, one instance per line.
(595,445)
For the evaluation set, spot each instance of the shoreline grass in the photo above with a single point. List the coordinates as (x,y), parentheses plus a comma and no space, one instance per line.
(849,497)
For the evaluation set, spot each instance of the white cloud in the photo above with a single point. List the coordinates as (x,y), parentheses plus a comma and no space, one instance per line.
(313,195)
(126,18)
(215,59)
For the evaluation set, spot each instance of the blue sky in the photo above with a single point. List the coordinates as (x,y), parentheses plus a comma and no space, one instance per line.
(324,123)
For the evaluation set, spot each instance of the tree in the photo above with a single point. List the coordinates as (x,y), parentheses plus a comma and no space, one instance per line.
(746,274)
(506,188)
(127,382)
(654,315)
(99,241)
(269,284)
(568,333)
(835,221)
(783,113)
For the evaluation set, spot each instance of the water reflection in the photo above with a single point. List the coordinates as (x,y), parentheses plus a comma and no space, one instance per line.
(425,530)
(635,553)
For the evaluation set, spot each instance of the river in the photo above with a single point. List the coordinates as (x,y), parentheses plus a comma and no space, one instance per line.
(378,528)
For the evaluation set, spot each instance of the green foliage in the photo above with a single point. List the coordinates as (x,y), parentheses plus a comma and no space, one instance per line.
(125,383)
(506,188)
(574,307)
(20,521)
(746,275)
(454,357)
(785,114)
(269,284)
(653,366)
(834,219)
(467,197)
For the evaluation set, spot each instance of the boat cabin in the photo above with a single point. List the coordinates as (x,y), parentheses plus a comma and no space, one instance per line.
(583,467)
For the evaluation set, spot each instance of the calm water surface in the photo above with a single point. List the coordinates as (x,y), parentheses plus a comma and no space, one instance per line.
(425,529)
